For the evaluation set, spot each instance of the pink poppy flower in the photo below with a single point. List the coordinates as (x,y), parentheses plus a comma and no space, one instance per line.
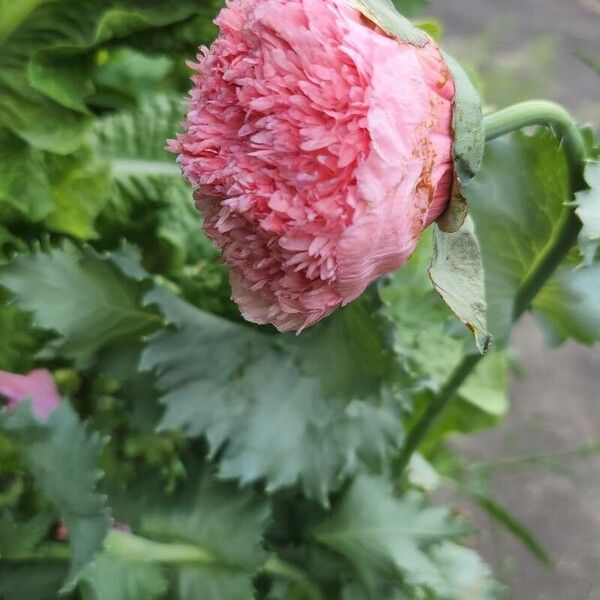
(319,148)
(38,386)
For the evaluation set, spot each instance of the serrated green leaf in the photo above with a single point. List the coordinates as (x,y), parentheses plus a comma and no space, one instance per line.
(152,207)
(80,295)
(465,575)
(63,458)
(133,142)
(9,243)
(384,14)
(226,524)
(148,189)
(354,591)
(386,535)
(236,385)
(19,341)
(516,202)
(213,583)
(588,210)
(109,578)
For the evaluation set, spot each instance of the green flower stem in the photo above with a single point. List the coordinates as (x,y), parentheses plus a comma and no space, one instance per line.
(137,549)
(276,566)
(526,114)
(134,548)
(541,112)
(435,408)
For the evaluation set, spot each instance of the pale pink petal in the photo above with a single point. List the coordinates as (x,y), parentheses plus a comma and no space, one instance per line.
(37,386)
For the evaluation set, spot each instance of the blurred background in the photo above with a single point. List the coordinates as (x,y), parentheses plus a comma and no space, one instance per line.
(544,461)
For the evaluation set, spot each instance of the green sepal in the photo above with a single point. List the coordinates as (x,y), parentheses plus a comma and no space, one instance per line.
(457,266)
(457,274)
(384,15)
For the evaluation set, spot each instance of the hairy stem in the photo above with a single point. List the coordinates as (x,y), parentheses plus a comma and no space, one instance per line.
(535,112)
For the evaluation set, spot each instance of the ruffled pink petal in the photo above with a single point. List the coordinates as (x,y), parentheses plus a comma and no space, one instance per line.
(406,178)
(319,149)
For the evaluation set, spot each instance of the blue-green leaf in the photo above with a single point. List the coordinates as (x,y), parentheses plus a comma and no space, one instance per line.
(63,458)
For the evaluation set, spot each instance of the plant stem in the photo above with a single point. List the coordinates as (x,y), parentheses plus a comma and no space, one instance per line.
(542,112)
(138,549)
(586,451)
(526,114)
(134,548)
(435,408)
(277,566)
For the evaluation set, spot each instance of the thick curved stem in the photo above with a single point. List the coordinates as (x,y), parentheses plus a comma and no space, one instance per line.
(542,112)
(526,114)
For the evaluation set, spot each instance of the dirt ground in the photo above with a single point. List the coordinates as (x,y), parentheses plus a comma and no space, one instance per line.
(556,406)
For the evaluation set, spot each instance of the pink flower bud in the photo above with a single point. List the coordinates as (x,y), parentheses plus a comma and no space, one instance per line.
(38,386)
(61,532)
(319,148)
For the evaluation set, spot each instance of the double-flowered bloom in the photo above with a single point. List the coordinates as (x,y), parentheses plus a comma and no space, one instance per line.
(319,148)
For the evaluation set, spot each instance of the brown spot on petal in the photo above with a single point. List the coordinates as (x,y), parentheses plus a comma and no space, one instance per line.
(425,183)
(368,23)
(445,76)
